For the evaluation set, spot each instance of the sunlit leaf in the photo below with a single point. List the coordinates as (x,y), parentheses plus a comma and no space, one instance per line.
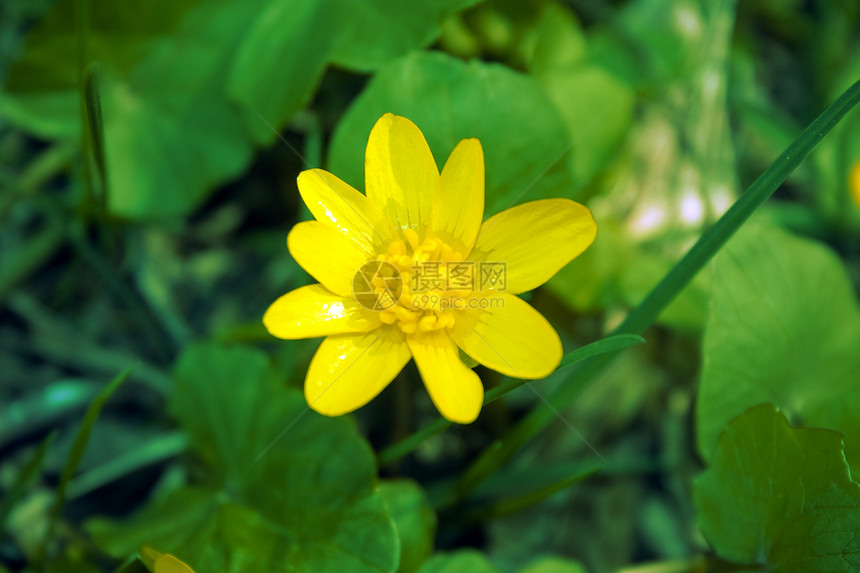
(280,60)
(780,498)
(463,561)
(376,31)
(521,132)
(288,489)
(414,519)
(784,328)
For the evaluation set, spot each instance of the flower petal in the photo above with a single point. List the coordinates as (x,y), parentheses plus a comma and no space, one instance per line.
(454,388)
(170,564)
(312,311)
(508,336)
(458,207)
(535,240)
(326,255)
(334,202)
(349,370)
(400,173)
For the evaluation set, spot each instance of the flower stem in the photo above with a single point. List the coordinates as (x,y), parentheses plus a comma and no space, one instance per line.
(603,346)
(672,284)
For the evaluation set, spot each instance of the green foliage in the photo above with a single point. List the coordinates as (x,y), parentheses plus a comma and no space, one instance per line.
(190,87)
(780,498)
(623,106)
(308,501)
(777,334)
(451,100)
(376,31)
(554,565)
(414,519)
(462,561)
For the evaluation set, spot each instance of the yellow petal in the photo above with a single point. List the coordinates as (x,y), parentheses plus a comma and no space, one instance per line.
(855,183)
(508,335)
(400,173)
(326,255)
(312,311)
(170,564)
(535,240)
(458,207)
(454,388)
(349,370)
(334,202)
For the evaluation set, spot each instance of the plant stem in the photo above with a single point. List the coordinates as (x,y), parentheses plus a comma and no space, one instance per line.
(672,284)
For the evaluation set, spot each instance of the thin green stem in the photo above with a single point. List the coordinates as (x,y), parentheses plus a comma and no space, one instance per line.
(408,444)
(672,284)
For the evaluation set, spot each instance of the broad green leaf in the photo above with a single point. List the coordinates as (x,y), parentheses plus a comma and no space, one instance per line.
(44,114)
(780,498)
(597,108)
(170,133)
(559,42)
(414,520)
(784,328)
(596,105)
(288,489)
(521,132)
(376,31)
(222,400)
(463,561)
(183,95)
(41,89)
(281,59)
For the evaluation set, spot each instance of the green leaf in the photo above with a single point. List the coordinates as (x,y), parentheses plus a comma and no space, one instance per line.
(463,561)
(377,31)
(597,108)
(288,489)
(77,452)
(559,42)
(280,61)
(42,92)
(776,334)
(780,498)
(171,135)
(521,132)
(223,400)
(414,519)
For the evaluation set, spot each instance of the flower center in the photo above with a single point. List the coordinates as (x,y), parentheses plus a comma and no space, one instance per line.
(435,280)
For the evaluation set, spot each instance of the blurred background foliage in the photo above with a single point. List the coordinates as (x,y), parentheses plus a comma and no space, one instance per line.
(148,155)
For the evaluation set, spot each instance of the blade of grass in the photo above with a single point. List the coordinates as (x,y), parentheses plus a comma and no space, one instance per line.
(24,479)
(672,284)
(152,452)
(77,452)
(93,108)
(19,263)
(408,444)
(519,503)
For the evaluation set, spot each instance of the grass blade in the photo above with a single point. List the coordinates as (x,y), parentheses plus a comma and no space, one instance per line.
(80,444)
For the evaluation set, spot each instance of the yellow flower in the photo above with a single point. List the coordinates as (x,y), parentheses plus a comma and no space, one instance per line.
(854,183)
(409,271)
(158,562)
